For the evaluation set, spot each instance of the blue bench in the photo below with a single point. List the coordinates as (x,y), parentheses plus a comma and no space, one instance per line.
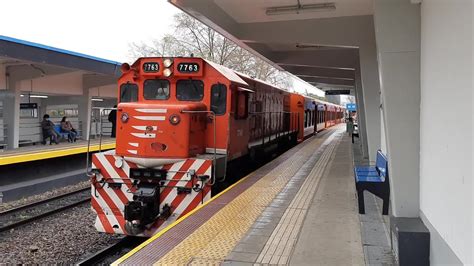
(375,180)
(58,129)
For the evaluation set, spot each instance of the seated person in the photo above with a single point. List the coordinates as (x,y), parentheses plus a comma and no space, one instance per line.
(48,131)
(66,127)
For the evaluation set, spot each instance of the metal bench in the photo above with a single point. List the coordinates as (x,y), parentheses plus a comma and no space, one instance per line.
(375,180)
(63,134)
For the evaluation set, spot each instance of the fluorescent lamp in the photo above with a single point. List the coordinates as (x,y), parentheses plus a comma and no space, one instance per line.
(39,96)
(296,9)
(97,100)
(35,96)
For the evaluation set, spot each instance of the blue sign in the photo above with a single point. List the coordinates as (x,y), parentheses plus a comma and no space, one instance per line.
(351,107)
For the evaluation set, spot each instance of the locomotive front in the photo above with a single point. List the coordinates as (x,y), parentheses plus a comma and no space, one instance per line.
(155,174)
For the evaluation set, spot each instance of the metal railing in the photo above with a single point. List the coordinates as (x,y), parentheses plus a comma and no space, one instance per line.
(102,112)
(213,117)
(3,137)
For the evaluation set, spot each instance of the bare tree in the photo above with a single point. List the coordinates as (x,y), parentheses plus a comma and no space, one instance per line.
(191,37)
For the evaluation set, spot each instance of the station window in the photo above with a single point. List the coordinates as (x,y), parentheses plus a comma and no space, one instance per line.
(156,89)
(128,93)
(189,90)
(218,98)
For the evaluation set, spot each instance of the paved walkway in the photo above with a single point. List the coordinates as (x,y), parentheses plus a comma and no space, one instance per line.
(300,209)
(316,219)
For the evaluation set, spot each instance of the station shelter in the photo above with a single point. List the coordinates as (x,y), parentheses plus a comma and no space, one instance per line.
(36,79)
(409,65)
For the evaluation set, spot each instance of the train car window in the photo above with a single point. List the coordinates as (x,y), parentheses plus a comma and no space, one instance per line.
(218,98)
(128,93)
(156,89)
(306,118)
(189,90)
(242,105)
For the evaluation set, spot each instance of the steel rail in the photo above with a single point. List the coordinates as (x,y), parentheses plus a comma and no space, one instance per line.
(22,207)
(42,214)
(115,249)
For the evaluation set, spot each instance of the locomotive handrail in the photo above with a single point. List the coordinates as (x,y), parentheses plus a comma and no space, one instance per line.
(101,109)
(213,181)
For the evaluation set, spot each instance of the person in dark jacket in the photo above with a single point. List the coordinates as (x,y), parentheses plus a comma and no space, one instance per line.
(113,120)
(67,127)
(48,131)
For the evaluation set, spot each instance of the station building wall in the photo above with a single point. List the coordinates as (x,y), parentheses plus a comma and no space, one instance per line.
(446,173)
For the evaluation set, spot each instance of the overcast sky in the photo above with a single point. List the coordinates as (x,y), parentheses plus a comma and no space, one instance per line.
(101,28)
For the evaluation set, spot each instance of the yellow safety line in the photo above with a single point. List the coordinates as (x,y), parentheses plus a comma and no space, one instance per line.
(166,229)
(229,224)
(160,233)
(52,154)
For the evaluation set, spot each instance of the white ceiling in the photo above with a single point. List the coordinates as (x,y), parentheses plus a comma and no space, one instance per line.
(251,11)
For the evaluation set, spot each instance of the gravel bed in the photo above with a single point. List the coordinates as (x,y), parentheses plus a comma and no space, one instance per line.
(36,210)
(63,238)
(43,196)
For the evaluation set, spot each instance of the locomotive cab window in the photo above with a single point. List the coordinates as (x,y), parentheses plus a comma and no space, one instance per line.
(156,89)
(218,98)
(128,93)
(242,105)
(189,90)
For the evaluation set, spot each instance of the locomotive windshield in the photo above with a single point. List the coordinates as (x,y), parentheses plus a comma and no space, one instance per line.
(189,90)
(128,93)
(156,89)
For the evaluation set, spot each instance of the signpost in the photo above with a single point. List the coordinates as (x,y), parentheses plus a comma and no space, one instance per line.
(351,107)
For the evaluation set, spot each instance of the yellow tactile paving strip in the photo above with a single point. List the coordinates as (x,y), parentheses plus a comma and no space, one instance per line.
(52,153)
(216,238)
(278,248)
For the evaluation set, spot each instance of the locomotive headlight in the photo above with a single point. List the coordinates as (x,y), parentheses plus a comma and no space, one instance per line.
(175,119)
(167,62)
(167,72)
(124,118)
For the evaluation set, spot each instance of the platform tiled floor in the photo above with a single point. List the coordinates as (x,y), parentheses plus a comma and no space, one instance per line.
(318,222)
(302,211)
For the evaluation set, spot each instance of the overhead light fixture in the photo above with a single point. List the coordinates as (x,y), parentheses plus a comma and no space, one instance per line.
(297,9)
(35,96)
(97,99)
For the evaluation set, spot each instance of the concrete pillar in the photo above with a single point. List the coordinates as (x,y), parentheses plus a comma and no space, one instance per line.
(11,113)
(371,94)
(84,105)
(361,114)
(397,26)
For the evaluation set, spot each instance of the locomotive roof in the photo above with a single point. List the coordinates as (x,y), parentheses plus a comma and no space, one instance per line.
(227,73)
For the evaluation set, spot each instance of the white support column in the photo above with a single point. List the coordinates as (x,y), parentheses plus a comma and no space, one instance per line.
(361,114)
(85,109)
(371,94)
(11,113)
(397,25)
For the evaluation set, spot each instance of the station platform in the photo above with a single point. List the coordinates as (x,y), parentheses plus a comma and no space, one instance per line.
(40,152)
(298,209)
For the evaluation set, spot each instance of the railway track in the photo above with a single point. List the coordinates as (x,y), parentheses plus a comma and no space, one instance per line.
(25,214)
(113,252)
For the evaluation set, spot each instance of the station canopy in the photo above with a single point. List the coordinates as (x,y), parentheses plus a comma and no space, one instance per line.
(23,60)
(318,41)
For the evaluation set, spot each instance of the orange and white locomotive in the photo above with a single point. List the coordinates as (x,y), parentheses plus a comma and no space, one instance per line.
(180,121)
